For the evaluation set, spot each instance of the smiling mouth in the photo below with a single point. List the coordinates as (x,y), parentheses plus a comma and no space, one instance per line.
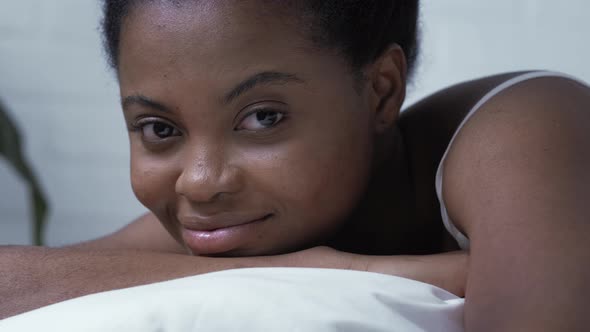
(219,240)
(239,224)
(215,224)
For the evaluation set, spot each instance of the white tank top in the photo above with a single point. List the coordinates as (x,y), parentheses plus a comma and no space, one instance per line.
(461,238)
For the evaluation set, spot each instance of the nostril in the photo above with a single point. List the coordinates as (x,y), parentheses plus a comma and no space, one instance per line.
(203,181)
(199,189)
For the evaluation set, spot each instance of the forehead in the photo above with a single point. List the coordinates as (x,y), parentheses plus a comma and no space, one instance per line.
(210,32)
(197,50)
(206,19)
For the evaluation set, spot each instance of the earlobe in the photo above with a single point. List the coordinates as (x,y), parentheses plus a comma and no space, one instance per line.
(389,87)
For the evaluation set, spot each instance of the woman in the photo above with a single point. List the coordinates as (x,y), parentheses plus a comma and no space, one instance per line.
(262,128)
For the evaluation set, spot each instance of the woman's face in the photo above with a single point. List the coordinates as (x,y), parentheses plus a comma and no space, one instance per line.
(245,140)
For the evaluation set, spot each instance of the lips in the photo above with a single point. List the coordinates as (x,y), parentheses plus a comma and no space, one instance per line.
(219,221)
(221,234)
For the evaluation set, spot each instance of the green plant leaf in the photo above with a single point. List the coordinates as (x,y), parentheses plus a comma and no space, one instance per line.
(11,149)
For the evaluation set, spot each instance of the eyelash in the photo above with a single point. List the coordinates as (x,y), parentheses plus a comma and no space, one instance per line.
(140,125)
(283,117)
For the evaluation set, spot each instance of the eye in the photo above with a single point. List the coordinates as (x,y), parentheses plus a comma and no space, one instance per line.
(261,119)
(154,131)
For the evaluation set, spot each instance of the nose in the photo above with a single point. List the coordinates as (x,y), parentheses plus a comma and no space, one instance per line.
(206,176)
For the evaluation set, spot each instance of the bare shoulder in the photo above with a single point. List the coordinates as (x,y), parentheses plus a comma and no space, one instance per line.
(145,233)
(545,120)
(517,182)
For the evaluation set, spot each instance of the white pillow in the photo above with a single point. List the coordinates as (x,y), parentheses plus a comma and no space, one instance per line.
(261,299)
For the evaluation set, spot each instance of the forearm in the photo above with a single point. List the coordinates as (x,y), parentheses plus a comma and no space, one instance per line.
(32,277)
(447,271)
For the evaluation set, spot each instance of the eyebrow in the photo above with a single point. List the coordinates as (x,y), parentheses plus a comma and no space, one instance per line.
(262,78)
(143,101)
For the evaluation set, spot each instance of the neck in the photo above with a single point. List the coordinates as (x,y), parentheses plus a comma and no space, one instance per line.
(383,222)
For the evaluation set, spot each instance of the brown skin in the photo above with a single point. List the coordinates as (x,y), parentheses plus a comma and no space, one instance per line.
(307,169)
(519,188)
(516,179)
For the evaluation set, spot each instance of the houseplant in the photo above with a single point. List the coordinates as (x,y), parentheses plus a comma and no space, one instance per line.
(11,150)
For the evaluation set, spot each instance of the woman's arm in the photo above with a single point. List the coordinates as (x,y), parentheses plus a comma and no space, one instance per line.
(143,252)
(447,271)
(32,277)
(517,181)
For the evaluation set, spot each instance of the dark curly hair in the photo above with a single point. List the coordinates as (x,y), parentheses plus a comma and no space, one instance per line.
(359,29)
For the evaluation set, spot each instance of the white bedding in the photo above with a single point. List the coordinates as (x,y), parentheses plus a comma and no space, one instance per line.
(262,299)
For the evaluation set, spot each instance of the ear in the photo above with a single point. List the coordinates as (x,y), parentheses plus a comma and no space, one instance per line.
(387,77)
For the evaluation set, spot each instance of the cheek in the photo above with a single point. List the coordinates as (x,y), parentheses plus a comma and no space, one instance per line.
(319,178)
(337,173)
(152,181)
(339,159)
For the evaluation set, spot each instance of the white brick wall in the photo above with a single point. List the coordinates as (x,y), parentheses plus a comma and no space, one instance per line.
(55,81)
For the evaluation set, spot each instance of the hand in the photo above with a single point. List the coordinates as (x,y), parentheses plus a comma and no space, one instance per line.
(322,257)
(447,271)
